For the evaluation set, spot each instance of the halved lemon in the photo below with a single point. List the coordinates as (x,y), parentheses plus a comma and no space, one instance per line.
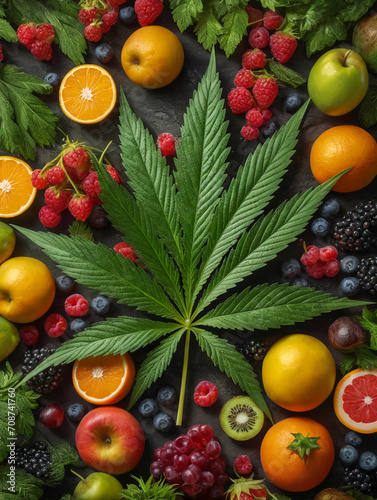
(87,94)
(16,190)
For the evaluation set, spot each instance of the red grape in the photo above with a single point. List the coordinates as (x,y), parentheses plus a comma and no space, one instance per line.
(180,462)
(183,444)
(156,468)
(52,416)
(207,479)
(217,466)
(222,478)
(157,453)
(198,458)
(191,474)
(213,449)
(172,475)
(216,491)
(191,489)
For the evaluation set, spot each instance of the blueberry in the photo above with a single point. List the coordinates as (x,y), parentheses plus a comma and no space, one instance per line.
(269,130)
(166,395)
(300,282)
(292,103)
(353,439)
(163,422)
(100,305)
(76,411)
(78,325)
(349,287)
(349,264)
(64,283)
(104,52)
(368,461)
(127,15)
(148,408)
(320,227)
(52,79)
(348,455)
(290,268)
(330,208)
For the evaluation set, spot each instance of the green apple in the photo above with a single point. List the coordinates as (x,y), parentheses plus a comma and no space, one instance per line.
(7,241)
(9,338)
(98,486)
(338,81)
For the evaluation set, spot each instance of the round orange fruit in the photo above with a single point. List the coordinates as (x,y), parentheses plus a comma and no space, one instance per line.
(152,57)
(340,148)
(16,191)
(355,400)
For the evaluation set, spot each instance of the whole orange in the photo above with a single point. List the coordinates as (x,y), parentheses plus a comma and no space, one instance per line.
(340,148)
(152,57)
(284,467)
(27,289)
(298,372)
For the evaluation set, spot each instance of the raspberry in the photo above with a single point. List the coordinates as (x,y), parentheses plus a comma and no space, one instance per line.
(115,3)
(249,133)
(105,27)
(38,180)
(57,199)
(80,207)
(126,250)
(55,325)
(87,16)
(265,90)
(254,117)
(255,16)
(76,305)
(254,59)
(244,78)
(29,335)
(240,100)
(148,10)
(48,217)
(1,52)
(166,143)
(282,46)
(328,253)
(311,256)
(110,17)
(93,32)
(331,268)
(272,20)
(316,270)
(41,50)
(27,34)
(45,33)
(205,393)
(91,187)
(267,115)
(76,158)
(242,465)
(258,38)
(56,175)
(77,175)
(114,174)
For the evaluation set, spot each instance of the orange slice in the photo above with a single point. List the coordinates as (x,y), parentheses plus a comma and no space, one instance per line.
(104,380)
(355,400)
(87,94)
(16,191)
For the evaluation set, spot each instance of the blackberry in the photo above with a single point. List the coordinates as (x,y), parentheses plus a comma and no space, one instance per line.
(355,231)
(367,274)
(49,379)
(253,350)
(361,480)
(35,460)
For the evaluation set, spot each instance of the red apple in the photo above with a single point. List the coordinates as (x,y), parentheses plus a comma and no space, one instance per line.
(110,439)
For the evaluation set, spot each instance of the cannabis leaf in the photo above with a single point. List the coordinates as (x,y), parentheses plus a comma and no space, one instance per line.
(196,241)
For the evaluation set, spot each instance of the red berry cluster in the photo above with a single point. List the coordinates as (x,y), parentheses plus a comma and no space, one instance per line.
(320,261)
(193,462)
(98,17)
(70,182)
(1,52)
(38,39)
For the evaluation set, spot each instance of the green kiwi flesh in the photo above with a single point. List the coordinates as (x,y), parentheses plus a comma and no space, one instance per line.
(241,418)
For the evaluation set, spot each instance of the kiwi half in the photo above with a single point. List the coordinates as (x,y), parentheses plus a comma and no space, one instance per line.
(241,418)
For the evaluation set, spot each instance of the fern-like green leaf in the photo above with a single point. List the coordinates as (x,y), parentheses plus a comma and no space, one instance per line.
(235,28)
(185,12)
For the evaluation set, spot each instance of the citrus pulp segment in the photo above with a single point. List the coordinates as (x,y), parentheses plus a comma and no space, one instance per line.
(16,191)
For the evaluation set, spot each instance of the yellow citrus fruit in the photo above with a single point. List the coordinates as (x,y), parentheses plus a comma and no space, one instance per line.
(298,372)
(340,148)
(152,57)
(16,191)
(27,289)
(9,338)
(7,241)
(87,94)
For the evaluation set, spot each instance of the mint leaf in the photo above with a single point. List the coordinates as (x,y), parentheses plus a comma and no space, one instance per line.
(7,32)
(235,28)
(368,108)
(365,358)
(185,12)
(208,29)
(355,10)
(348,363)
(286,75)
(329,31)
(368,320)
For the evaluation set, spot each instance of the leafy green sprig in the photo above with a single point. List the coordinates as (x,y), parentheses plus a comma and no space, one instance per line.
(159,490)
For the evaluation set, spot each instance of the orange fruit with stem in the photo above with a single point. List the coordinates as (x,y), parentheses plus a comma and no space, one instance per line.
(104,380)
(16,191)
(87,94)
(297,454)
(340,148)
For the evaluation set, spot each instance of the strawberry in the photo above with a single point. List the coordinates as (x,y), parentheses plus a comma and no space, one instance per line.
(282,46)
(265,90)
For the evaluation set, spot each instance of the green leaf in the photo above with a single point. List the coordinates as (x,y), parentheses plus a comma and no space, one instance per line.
(365,358)
(229,360)
(185,12)
(368,108)
(286,75)
(79,228)
(348,363)
(368,320)
(357,494)
(208,29)
(7,32)
(235,28)
(62,454)
(154,365)
(329,31)
(24,119)
(355,10)
(156,490)
(272,306)
(27,487)
(26,401)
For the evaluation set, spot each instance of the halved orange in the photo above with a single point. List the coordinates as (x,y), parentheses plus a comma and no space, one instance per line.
(16,191)
(104,380)
(87,94)
(355,400)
